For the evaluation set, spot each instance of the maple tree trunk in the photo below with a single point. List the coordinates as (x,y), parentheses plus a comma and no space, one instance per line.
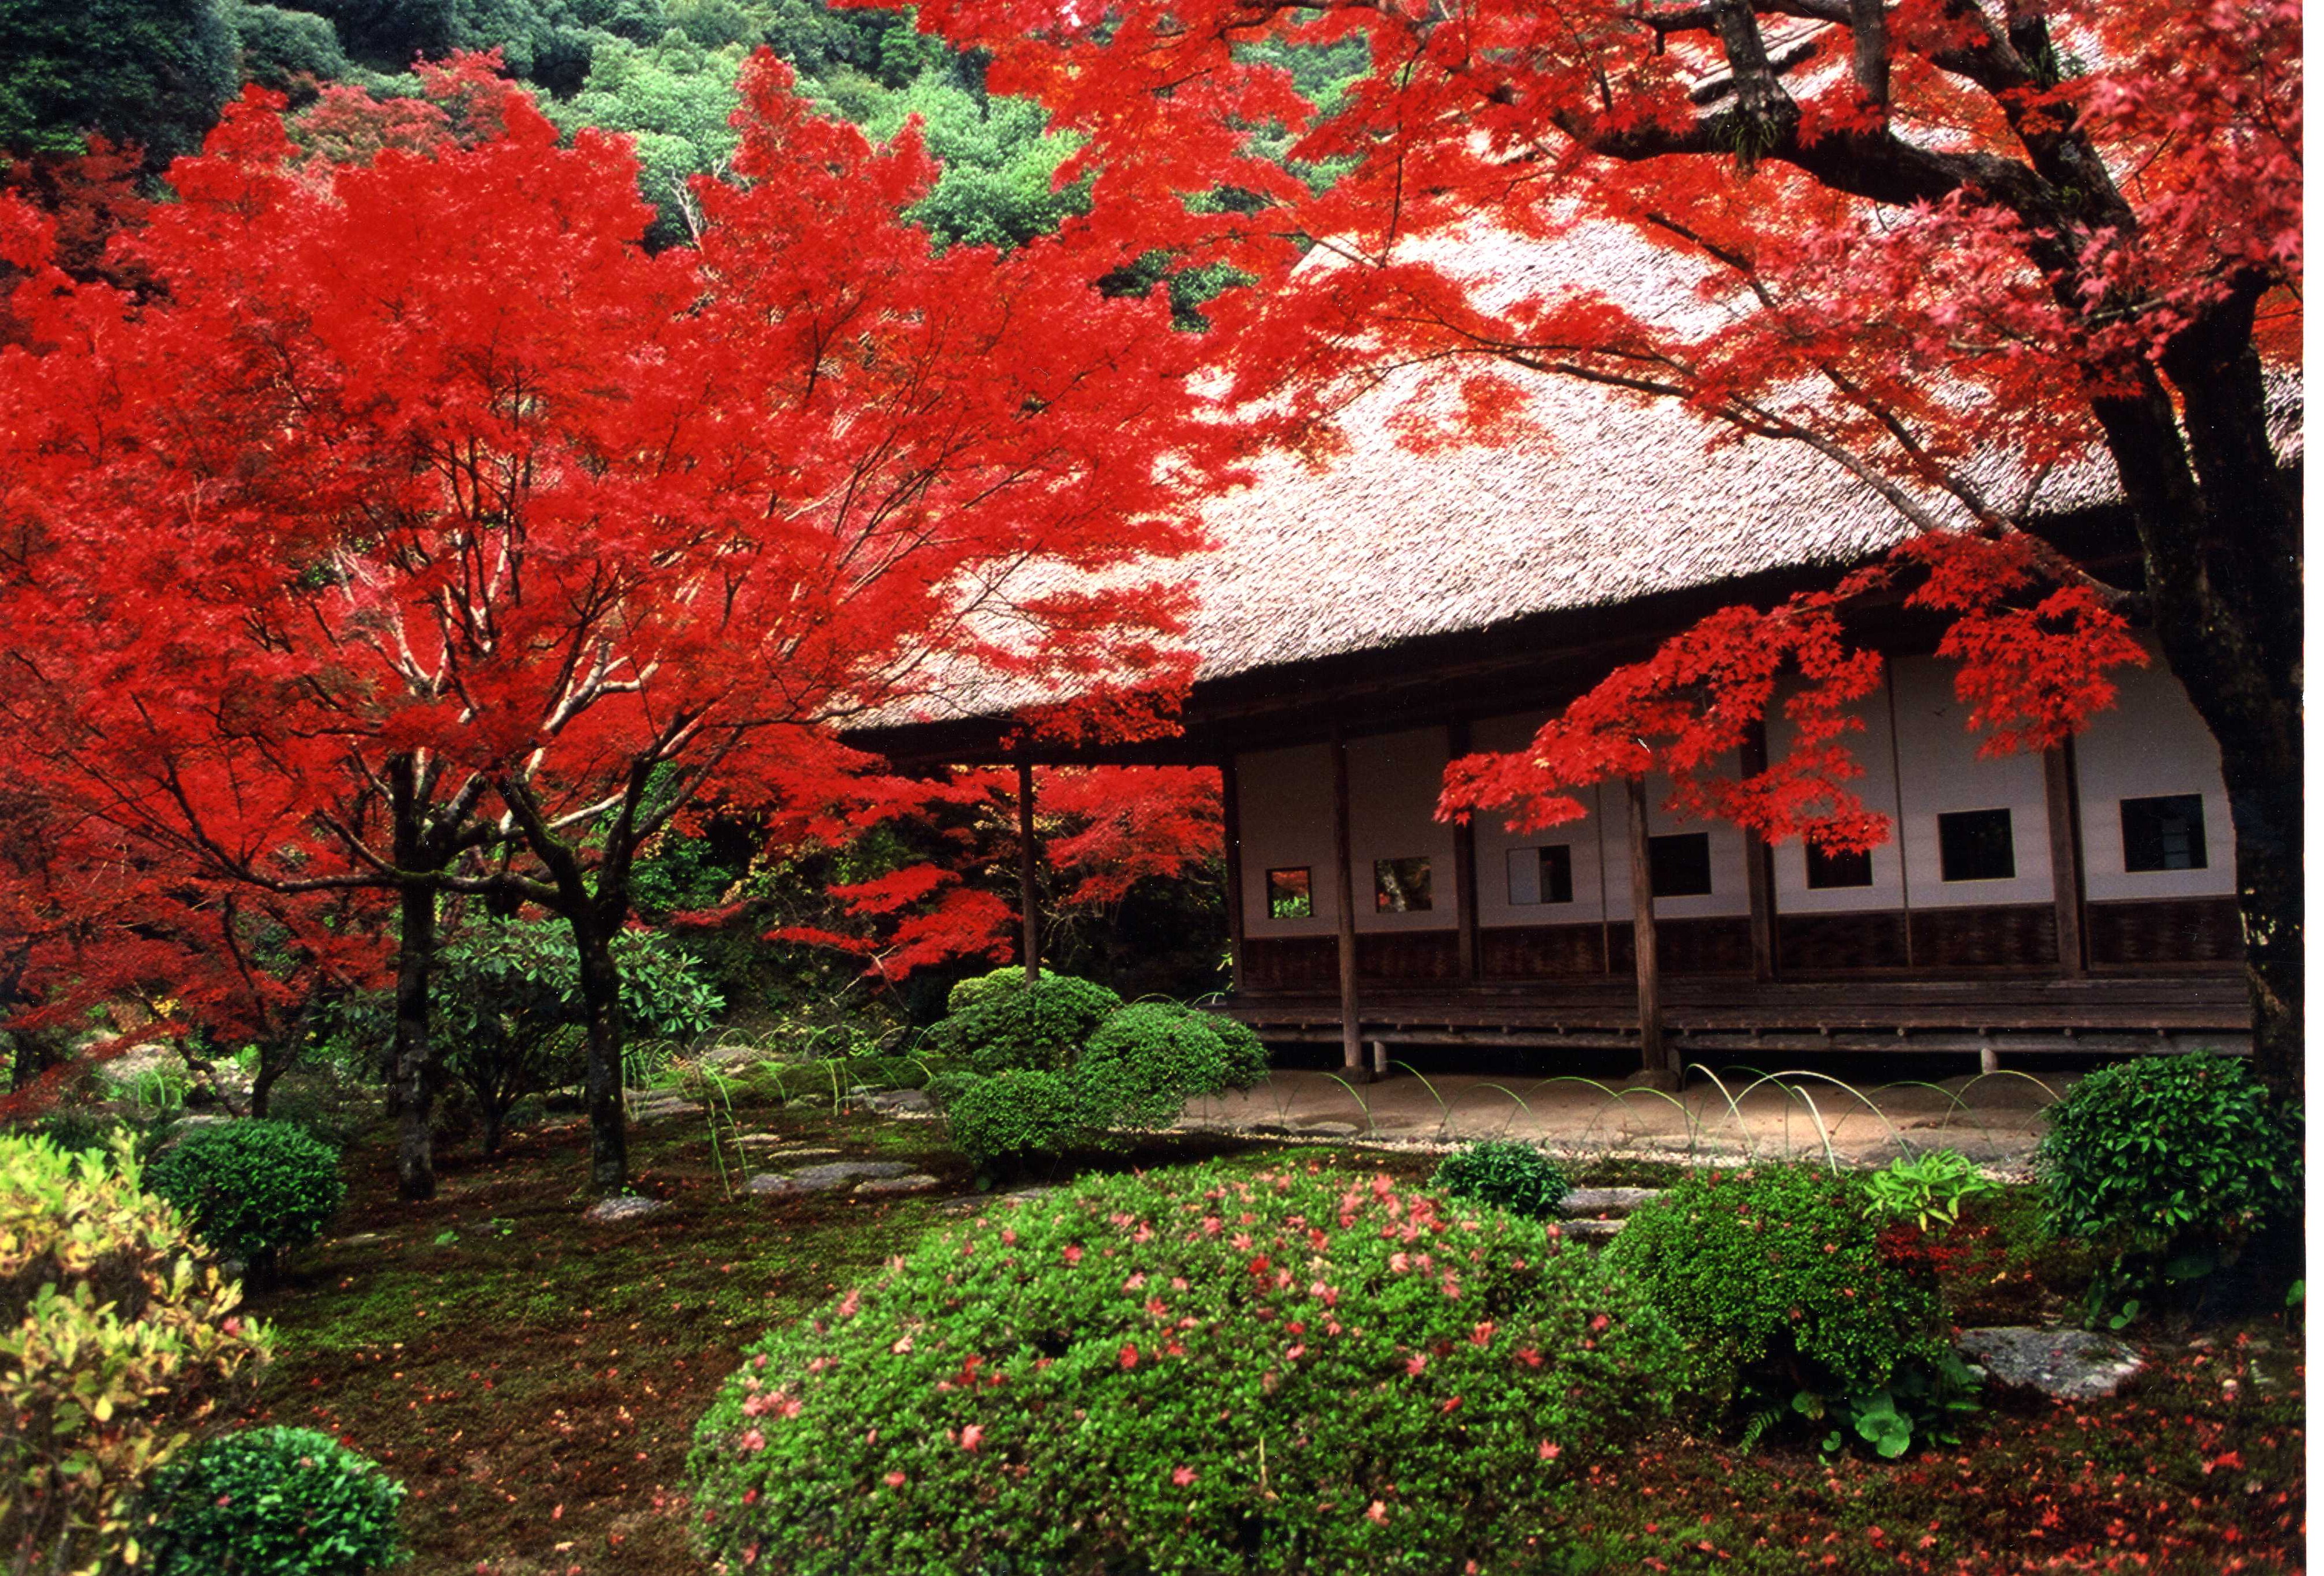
(601,1000)
(415,1064)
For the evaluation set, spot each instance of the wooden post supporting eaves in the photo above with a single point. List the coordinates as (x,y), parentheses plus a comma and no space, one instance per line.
(1759,867)
(1343,883)
(1029,895)
(1653,1059)
(1230,827)
(2062,800)
(1464,866)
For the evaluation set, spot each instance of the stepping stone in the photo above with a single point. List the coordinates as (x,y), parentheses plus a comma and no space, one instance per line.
(825,1178)
(897,1102)
(630,1207)
(1326,1130)
(2070,1365)
(915,1182)
(1607,1201)
(1588,1230)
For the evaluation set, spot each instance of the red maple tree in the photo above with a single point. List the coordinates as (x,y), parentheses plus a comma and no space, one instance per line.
(1955,247)
(423,532)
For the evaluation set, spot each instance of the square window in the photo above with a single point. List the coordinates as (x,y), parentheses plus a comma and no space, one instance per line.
(1400,886)
(1290,895)
(1542,875)
(1679,865)
(1832,867)
(1975,845)
(2166,833)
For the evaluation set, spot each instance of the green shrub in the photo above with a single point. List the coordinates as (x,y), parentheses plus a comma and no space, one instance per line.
(252,1189)
(1930,1188)
(1205,1369)
(272,1502)
(1508,1174)
(1007,1025)
(1144,1064)
(1008,1119)
(1246,1053)
(116,1337)
(2168,1165)
(1777,1280)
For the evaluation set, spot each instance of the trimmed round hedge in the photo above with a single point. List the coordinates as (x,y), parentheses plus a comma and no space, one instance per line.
(252,1189)
(2169,1157)
(273,1502)
(1508,1174)
(1012,1116)
(1210,1370)
(999,1024)
(1144,1064)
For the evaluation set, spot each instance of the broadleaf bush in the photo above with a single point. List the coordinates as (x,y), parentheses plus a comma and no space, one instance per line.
(252,1189)
(1144,1063)
(1006,1120)
(272,1502)
(117,1337)
(1000,1024)
(1778,1279)
(1206,1369)
(1508,1174)
(2167,1167)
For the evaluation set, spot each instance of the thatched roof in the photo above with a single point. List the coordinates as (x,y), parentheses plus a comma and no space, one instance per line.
(1620,498)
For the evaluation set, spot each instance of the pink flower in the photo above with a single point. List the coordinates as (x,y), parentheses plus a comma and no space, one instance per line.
(895,1479)
(1415,1362)
(1135,1283)
(1481,1334)
(1296,1353)
(1073,1253)
(1128,1354)
(1240,1241)
(1007,1236)
(903,1344)
(972,1436)
(1452,1406)
(1598,1322)
(1399,1262)
(1549,1452)
(1378,1514)
(1182,1476)
(752,1440)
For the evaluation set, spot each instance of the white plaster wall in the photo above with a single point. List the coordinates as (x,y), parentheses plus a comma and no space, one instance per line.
(1877,788)
(1495,841)
(1727,894)
(1941,770)
(1392,781)
(1286,803)
(2151,742)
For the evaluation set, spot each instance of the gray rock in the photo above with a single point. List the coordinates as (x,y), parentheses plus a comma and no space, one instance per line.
(2071,1365)
(828,1177)
(898,1102)
(1588,1230)
(1607,1201)
(630,1207)
(914,1181)
(1327,1129)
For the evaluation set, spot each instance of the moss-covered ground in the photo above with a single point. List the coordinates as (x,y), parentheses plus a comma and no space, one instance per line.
(535,1380)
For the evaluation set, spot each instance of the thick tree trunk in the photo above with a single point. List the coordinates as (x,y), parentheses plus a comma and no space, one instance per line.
(415,1063)
(601,1001)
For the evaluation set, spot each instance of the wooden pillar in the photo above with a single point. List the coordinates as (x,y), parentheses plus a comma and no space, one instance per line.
(1896,783)
(1231,829)
(1028,894)
(1653,1060)
(1343,889)
(1759,866)
(2061,799)
(1465,864)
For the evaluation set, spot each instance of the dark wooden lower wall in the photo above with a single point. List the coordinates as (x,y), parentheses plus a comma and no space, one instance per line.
(2202,933)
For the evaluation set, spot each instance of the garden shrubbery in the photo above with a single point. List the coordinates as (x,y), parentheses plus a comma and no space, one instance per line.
(1780,1282)
(2167,1167)
(1002,1120)
(1142,1063)
(252,1189)
(999,1024)
(116,1337)
(1293,1370)
(1508,1174)
(272,1502)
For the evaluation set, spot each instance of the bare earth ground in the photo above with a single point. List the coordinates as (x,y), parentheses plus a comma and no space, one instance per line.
(1995,1118)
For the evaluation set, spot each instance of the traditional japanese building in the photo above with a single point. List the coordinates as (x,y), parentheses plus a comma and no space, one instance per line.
(1362,623)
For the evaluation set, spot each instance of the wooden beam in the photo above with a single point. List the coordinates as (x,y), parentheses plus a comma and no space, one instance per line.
(1759,865)
(1231,829)
(2062,800)
(1464,862)
(1344,886)
(1029,892)
(1653,1058)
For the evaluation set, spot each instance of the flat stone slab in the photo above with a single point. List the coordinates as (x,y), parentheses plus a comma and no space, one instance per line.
(914,1181)
(1327,1129)
(828,1177)
(1607,1201)
(630,1207)
(895,1102)
(2071,1365)
(1588,1230)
